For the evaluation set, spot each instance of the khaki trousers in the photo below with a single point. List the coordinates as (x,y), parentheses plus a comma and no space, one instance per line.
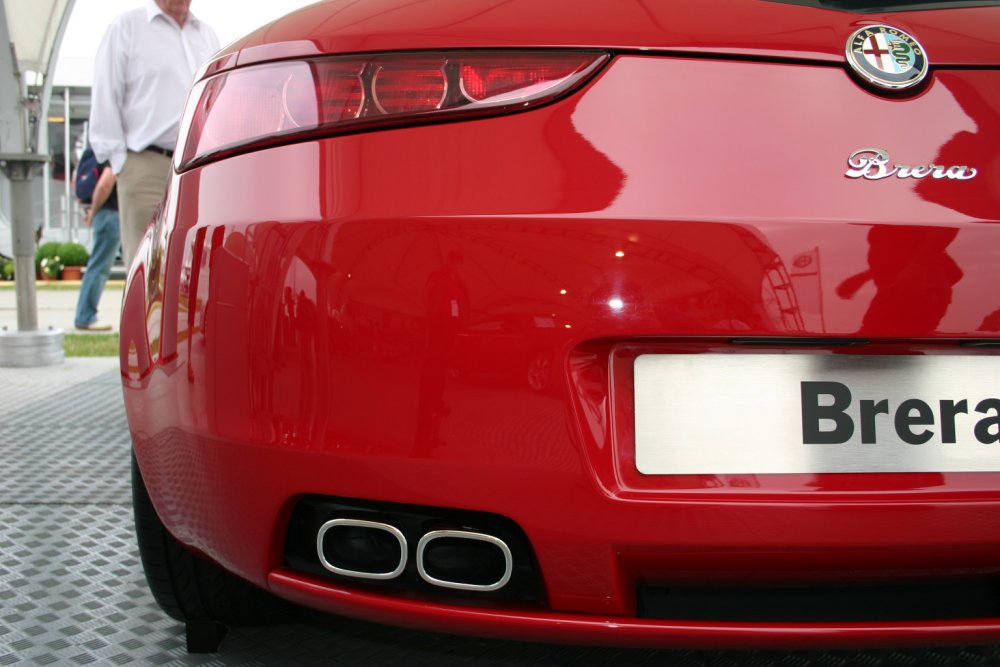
(141,184)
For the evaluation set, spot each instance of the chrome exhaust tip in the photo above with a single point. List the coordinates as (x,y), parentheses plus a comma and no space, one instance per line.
(464,560)
(363,549)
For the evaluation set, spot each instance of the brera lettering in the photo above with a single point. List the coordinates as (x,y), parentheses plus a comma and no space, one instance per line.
(873,164)
(830,416)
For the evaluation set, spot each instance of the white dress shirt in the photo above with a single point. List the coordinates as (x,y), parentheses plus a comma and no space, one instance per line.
(142,72)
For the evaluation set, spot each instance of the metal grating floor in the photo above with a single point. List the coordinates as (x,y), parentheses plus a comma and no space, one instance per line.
(72,590)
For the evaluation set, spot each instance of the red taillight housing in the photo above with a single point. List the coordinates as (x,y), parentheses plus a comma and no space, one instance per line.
(273,103)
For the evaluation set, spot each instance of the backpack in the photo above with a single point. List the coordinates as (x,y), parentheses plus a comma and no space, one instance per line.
(87,174)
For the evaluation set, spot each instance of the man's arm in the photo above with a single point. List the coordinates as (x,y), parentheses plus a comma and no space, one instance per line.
(107,128)
(105,184)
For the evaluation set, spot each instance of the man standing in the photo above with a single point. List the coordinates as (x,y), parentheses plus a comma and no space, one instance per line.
(102,216)
(143,69)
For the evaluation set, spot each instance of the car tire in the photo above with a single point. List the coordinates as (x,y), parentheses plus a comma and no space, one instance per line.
(190,588)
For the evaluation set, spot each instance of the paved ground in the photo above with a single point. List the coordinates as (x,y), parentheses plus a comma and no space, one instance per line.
(56,307)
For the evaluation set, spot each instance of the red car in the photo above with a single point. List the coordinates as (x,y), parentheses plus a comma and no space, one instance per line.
(755,245)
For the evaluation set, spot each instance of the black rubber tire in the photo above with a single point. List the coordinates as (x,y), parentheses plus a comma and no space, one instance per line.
(190,588)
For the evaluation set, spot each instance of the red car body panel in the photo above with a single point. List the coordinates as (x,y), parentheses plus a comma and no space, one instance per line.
(285,329)
(716,27)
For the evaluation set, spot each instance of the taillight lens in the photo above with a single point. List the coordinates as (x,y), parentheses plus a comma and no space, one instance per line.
(409,86)
(276,102)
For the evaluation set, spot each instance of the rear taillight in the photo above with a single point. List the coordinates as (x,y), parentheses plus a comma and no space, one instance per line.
(272,103)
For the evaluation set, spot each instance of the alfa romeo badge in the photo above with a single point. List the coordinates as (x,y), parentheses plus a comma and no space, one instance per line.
(886,57)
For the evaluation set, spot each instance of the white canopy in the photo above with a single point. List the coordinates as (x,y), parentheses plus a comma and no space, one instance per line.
(36,28)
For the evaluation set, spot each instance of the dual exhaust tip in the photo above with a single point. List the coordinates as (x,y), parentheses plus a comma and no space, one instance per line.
(456,559)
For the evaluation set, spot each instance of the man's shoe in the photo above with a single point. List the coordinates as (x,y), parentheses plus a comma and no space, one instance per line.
(94,326)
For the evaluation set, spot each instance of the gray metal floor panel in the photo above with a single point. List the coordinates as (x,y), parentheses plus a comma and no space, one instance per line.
(72,590)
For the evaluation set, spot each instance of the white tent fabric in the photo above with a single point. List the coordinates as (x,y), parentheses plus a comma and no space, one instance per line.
(35,29)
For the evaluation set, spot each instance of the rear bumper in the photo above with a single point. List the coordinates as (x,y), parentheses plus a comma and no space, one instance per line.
(612,630)
(595,550)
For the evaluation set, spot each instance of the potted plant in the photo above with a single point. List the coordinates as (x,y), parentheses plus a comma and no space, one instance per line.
(51,268)
(47,261)
(74,257)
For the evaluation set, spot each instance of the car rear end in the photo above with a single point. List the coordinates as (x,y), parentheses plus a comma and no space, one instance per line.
(684,333)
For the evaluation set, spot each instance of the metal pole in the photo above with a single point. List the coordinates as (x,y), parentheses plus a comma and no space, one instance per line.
(24,245)
(43,114)
(67,168)
(27,346)
(46,185)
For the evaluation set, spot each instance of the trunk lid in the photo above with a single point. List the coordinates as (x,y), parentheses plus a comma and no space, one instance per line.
(960,36)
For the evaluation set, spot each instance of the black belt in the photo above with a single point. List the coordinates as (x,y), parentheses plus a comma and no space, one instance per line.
(161,151)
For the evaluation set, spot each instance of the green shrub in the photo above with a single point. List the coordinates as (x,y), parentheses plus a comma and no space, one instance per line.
(73,254)
(7,269)
(48,249)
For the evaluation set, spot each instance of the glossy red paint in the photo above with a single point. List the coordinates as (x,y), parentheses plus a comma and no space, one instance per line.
(445,314)
(716,27)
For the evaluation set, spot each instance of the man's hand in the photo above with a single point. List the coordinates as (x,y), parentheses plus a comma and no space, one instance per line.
(88,216)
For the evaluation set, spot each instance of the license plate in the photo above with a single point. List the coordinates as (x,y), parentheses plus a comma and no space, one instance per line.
(797,413)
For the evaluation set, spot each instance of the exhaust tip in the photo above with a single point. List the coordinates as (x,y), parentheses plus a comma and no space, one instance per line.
(363,549)
(464,556)
(464,560)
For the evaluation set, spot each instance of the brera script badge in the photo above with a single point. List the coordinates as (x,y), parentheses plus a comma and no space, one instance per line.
(886,57)
(874,164)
